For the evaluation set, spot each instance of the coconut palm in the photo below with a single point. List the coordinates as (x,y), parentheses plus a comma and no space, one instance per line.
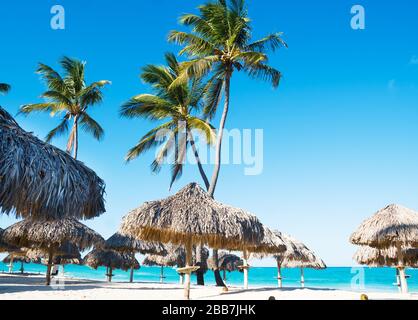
(69,95)
(4,87)
(176,107)
(220,44)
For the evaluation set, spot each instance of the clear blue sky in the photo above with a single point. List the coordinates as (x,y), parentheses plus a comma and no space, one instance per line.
(340,134)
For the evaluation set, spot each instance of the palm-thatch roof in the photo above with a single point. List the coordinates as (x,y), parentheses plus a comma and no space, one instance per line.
(271,243)
(298,255)
(385,257)
(18,258)
(110,259)
(40,180)
(192,216)
(51,234)
(175,257)
(390,226)
(68,253)
(128,244)
(227,261)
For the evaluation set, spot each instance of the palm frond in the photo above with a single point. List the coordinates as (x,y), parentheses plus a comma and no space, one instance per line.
(150,140)
(4,87)
(272,41)
(264,72)
(147,106)
(57,131)
(88,124)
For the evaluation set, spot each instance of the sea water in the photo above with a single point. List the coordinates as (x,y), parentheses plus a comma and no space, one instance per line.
(344,278)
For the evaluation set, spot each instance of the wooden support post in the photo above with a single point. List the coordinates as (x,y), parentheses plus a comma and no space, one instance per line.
(245,269)
(187,275)
(401,268)
(302,278)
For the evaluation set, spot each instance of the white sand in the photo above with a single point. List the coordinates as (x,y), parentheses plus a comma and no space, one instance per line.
(32,287)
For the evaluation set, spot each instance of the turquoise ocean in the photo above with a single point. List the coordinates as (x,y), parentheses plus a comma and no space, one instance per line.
(345,278)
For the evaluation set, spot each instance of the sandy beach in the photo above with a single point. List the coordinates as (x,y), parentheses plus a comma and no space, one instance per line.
(32,287)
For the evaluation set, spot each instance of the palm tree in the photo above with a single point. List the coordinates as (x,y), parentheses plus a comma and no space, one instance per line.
(218,45)
(175,107)
(4,87)
(69,95)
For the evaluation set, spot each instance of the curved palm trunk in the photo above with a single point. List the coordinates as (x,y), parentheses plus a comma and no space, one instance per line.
(217,169)
(215,175)
(199,163)
(75,137)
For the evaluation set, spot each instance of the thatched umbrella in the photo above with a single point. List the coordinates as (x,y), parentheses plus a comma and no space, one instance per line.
(373,257)
(227,262)
(392,226)
(39,180)
(16,256)
(110,259)
(297,255)
(192,217)
(175,256)
(130,245)
(271,243)
(50,235)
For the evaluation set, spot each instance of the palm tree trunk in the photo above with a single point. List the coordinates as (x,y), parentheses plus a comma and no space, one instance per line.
(75,137)
(199,163)
(199,273)
(215,175)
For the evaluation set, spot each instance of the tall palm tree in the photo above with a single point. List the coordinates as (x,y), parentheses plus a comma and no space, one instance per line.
(219,44)
(176,108)
(69,95)
(4,87)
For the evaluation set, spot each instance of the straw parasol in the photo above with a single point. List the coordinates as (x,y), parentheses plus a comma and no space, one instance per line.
(68,253)
(227,262)
(42,181)
(110,259)
(297,255)
(130,245)
(175,257)
(192,217)
(271,243)
(16,257)
(393,226)
(50,235)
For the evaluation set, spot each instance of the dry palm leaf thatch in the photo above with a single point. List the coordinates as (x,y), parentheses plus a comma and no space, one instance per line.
(16,258)
(39,180)
(390,226)
(192,216)
(175,257)
(52,234)
(271,243)
(128,244)
(298,255)
(227,261)
(67,253)
(386,257)
(110,259)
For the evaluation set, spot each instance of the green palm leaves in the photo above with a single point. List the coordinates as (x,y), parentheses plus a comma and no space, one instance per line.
(219,44)
(175,106)
(4,87)
(69,95)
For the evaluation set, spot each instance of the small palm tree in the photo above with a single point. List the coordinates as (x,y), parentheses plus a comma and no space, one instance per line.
(220,44)
(69,95)
(176,107)
(4,87)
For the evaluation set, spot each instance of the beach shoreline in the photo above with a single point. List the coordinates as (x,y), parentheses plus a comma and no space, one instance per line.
(32,287)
